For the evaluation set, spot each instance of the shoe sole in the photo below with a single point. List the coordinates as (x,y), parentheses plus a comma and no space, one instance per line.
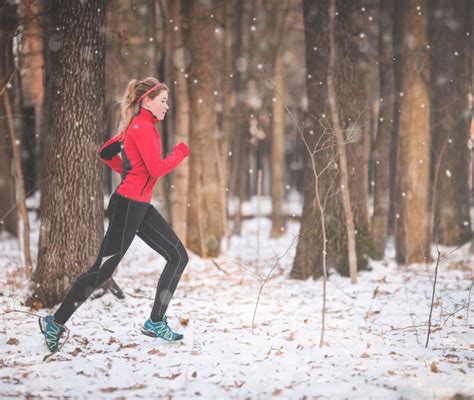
(151,334)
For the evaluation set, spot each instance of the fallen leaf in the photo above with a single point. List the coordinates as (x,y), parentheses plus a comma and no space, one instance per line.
(434,367)
(156,351)
(171,377)
(127,346)
(108,389)
(112,340)
(14,341)
(75,352)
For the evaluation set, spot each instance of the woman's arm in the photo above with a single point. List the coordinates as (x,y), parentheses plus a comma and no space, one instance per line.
(109,153)
(148,144)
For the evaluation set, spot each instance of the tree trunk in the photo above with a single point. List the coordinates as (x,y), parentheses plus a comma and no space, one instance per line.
(180,195)
(351,103)
(353,132)
(45,139)
(309,251)
(351,98)
(72,197)
(34,67)
(240,141)
(20,185)
(278,149)
(397,72)
(384,131)
(412,238)
(207,210)
(450,121)
(166,72)
(8,209)
(228,93)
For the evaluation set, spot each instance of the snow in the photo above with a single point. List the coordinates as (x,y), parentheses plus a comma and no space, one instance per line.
(375,330)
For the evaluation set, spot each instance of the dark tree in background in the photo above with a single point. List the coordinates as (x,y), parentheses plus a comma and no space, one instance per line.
(352,108)
(384,131)
(8,84)
(405,101)
(308,259)
(451,70)
(72,209)
(351,42)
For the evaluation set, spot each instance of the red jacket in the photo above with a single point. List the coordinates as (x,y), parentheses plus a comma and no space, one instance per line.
(141,163)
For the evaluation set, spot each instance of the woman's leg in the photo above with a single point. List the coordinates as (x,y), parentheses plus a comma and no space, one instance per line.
(155,231)
(125,216)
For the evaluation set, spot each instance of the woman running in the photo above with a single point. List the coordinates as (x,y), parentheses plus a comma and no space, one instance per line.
(130,212)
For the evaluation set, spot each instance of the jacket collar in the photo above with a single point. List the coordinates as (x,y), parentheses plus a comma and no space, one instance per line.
(147,115)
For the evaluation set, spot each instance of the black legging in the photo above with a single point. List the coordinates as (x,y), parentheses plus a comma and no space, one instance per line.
(128,217)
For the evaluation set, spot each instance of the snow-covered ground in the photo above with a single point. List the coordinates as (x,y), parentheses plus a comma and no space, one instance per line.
(375,330)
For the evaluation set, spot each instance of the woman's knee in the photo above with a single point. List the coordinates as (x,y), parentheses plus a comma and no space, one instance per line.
(182,257)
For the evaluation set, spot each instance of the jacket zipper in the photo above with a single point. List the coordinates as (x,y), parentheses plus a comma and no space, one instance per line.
(145,185)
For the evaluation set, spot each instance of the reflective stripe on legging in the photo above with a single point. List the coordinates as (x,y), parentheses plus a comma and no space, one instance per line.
(128,218)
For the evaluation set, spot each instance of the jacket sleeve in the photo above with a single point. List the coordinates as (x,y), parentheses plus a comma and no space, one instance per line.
(109,153)
(148,143)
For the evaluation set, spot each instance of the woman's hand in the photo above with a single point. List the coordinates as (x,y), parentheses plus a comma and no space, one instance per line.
(183,148)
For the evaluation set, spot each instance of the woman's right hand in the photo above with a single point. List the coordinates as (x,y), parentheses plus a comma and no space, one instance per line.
(183,148)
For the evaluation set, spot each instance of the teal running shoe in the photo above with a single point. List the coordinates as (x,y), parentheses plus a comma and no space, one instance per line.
(52,331)
(160,329)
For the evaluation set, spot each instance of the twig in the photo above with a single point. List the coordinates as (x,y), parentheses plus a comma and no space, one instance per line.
(468,304)
(218,267)
(432,296)
(259,191)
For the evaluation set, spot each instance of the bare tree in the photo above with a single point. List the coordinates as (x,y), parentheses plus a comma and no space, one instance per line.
(181,58)
(72,197)
(342,155)
(240,144)
(450,120)
(227,94)
(33,64)
(206,213)
(278,149)
(8,83)
(384,132)
(310,252)
(351,105)
(412,239)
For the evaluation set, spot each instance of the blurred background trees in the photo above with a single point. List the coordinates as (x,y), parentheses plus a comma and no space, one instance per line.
(249,93)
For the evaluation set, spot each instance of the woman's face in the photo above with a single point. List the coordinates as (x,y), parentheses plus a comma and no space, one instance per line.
(159,105)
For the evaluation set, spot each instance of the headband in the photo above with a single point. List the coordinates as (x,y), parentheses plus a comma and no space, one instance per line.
(148,92)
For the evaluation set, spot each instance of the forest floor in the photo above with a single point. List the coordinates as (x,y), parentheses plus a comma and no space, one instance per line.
(374,338)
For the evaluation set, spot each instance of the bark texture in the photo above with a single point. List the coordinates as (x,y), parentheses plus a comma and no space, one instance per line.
(412,238)
(384,131)
(72,212)
(450,121)
(207,214)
